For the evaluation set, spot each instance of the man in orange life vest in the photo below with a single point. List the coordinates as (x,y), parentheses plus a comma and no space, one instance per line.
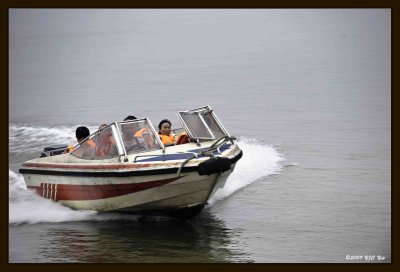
(142,133)
(166,136)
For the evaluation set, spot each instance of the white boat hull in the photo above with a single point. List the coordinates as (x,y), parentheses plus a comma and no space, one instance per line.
(138,188)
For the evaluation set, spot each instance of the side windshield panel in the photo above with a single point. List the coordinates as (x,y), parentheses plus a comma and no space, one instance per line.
(106,146)
(196,125)
(138,137)
(101,146)
(86,150)
(213,125)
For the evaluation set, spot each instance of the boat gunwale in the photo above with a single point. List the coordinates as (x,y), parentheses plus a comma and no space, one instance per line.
(126,173)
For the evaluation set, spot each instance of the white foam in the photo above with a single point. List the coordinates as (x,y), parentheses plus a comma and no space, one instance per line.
(33,138)
(26,207)
(259,160)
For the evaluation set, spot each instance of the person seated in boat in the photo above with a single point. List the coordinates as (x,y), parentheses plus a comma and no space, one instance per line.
(142,133)
(138,133)
(81,133)
(167,137)
(131,142)
(132,117)
(106,146)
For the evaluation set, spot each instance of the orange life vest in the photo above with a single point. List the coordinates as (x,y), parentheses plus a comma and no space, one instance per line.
(140,133)
(91,143)
(167,139)
(71,148)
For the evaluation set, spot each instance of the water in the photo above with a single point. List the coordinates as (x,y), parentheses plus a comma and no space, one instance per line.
(307,92)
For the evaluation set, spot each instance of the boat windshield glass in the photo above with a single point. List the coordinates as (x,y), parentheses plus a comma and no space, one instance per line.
(213,125)
(101,145)
(201,124)
(138,136)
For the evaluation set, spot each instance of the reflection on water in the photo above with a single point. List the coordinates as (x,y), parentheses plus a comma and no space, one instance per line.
(204,239)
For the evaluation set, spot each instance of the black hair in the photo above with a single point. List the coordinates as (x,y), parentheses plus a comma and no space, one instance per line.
(82,132)
(164,121)
(130,117)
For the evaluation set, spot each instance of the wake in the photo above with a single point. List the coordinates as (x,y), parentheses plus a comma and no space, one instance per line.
(259,160)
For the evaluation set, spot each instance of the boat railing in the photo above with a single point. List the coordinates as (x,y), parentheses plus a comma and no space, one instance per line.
(215,147)
(163,155)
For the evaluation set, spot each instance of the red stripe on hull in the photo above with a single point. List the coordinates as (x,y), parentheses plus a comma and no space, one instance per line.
(92,192)
(88,166)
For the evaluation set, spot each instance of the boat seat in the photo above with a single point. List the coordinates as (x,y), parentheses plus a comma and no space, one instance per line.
(183,139)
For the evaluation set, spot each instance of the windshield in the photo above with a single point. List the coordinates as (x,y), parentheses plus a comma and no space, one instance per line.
(202,123)
(137,136)
(101,145)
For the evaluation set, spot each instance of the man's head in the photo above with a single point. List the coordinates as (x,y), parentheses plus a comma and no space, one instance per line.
(165,127)
(130,117)
(81,133)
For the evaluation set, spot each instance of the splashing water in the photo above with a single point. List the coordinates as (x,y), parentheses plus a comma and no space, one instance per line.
(259,160)
(26,207)
(33,138)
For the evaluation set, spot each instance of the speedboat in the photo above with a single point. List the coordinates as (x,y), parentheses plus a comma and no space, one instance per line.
(126,168)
